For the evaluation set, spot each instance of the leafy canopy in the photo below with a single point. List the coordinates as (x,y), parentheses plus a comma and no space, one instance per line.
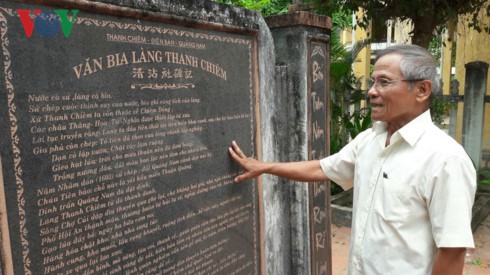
(428,16)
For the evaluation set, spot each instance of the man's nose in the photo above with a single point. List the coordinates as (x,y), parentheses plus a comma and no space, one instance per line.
(372,92)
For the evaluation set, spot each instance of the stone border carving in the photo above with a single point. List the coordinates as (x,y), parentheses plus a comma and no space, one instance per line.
(14,135)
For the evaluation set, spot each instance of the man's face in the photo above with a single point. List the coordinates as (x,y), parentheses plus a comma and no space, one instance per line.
(395,102)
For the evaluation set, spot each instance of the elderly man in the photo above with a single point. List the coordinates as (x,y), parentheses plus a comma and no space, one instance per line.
(414,186)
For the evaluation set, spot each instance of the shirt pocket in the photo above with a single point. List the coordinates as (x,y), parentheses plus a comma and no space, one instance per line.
(392,201)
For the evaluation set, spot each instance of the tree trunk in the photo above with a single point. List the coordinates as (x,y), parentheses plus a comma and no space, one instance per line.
(422,30)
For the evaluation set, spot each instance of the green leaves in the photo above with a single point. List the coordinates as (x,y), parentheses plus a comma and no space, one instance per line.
(265,7)
(485,182)
(248,4)
(358,123)
(438,109)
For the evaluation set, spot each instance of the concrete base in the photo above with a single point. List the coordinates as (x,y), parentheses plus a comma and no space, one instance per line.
(481,209)
(342,208)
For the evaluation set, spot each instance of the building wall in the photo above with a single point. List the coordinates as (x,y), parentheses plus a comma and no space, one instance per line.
(362,64)
(472,46)
(398,32)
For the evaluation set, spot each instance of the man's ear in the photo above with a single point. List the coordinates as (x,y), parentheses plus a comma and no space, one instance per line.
(424,89)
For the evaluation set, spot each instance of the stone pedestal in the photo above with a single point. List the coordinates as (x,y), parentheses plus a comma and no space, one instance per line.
(301,41)
(474,109)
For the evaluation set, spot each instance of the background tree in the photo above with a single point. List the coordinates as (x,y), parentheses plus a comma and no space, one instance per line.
(428,16)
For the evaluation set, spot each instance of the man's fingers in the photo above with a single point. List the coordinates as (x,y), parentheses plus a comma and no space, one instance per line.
(234,155)
(237,154)
(237,150)
(241,178)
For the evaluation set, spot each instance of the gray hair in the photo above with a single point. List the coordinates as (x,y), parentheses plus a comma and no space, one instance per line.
(417,63)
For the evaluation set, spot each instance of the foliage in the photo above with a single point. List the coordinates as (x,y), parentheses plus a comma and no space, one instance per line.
(435,47)
(275,7)
(341,18)
(485,182)
(484,174)
(359,122)
(265,7)
(477,262)
(248,4)
(484,177)
(344,123)
(439,109)
(428,16)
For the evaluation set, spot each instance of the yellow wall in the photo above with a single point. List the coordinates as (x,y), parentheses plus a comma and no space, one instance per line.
(362,65)
(402,31)
(401,35)
(447,59)
(472,46)
(346,36)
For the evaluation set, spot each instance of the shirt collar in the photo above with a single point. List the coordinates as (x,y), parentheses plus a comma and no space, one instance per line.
(411,132)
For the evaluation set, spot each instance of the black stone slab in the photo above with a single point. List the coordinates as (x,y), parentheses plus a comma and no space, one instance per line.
(113,145)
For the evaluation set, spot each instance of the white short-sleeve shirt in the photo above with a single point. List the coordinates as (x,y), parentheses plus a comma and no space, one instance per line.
(410,197)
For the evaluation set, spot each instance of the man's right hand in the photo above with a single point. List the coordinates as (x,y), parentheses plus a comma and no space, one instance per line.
(251,167)
(305,171)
